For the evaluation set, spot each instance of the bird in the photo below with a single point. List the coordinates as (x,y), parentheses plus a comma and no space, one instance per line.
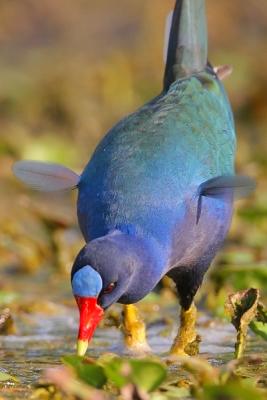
(156,198)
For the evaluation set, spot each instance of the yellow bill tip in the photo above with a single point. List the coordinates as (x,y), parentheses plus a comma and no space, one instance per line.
(82,346)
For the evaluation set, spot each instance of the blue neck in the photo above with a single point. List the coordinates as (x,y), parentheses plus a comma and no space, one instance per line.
(151,263)
(136,262)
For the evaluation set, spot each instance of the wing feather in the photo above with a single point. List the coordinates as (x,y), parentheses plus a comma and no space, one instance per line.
(45,177)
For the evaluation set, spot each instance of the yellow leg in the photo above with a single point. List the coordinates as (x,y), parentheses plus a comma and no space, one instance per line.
(134,330)
(187,340)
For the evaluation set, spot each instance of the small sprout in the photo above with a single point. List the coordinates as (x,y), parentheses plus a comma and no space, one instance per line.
(242,308)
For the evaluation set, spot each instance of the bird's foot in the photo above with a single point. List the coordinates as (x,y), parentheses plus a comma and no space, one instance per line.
(187,341)
(134,330)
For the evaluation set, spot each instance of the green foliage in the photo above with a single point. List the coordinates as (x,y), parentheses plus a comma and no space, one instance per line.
(118,372)
(231,391)
(135,377)
(4,377)
(260,328)
(88,372)
(7,297)
(204,381)
(259,324)
(241,276)
(147,375)
(213,383)
(144,374)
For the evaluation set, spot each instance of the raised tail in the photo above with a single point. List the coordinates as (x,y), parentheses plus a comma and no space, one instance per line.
(188,41)
(45,177)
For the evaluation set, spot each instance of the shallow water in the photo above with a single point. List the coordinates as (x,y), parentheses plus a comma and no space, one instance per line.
(44,337)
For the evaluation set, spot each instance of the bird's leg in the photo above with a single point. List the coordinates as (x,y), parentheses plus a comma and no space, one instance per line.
(134,330)
(187,340)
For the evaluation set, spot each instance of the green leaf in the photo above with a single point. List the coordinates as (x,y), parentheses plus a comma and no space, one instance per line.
(147,375)
(259,328)
(4,377)
(87,370)
(259,325)
(73,361)
(93,375)
(117,371)
(106,358)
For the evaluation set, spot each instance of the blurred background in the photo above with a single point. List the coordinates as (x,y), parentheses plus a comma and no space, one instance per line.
(71,69)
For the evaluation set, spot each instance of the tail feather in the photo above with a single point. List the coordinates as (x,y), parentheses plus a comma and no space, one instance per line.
(188,43)
(168,27)
(45,177)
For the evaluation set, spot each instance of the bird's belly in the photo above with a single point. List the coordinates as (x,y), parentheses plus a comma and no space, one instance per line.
(196,243)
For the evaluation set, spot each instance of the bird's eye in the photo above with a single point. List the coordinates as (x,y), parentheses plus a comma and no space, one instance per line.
(109,288)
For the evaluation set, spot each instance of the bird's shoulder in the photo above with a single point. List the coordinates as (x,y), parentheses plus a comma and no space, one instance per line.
(190,122)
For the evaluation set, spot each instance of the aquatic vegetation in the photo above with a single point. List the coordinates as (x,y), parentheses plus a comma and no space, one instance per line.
(4,377)
(145,379)
(259,324)
(242,307)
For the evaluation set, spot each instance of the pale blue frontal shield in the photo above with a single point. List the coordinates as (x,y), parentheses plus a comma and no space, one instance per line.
(87,282)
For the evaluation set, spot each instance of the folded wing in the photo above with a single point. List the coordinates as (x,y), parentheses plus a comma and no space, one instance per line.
(238,186)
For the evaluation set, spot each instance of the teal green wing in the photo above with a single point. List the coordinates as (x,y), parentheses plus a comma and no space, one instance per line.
(156,158)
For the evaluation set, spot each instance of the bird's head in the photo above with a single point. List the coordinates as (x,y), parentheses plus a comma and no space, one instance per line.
(101,276)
